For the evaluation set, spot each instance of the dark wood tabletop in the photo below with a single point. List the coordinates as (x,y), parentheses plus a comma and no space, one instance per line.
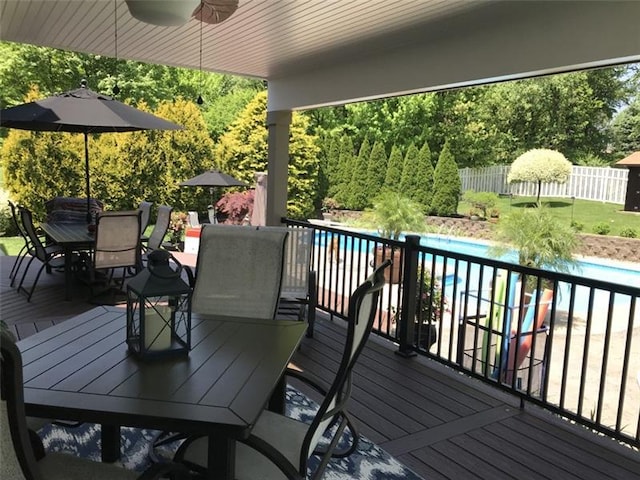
(81,370)
(71,237)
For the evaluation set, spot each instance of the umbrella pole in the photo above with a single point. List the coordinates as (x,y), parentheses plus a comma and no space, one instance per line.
(86,175)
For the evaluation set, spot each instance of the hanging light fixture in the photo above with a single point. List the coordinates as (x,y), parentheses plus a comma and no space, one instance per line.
(200,100)
(116,88)
(162,12)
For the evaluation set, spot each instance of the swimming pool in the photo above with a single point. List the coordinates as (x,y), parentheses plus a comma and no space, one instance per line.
(597,269)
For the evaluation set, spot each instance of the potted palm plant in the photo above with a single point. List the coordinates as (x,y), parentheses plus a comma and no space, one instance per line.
(391,215)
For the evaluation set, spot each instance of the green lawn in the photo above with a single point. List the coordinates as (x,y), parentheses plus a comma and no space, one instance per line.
(586,212)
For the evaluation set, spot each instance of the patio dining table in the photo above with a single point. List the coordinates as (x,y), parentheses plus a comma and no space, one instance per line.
(71,237)
(81,370)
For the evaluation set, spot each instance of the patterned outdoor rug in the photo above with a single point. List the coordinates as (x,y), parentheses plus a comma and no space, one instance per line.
(368,462)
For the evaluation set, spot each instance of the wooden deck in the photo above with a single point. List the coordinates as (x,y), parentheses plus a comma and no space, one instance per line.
(441,424)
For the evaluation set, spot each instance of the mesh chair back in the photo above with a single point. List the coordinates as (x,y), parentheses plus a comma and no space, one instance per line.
(239,271)
(194,221)
(295,277)
(17,223)
(117,240)
(160,228)
(36,247)
(145,209)
(362,309)
(17,460)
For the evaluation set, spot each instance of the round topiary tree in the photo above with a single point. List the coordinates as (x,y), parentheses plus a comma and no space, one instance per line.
(540,165)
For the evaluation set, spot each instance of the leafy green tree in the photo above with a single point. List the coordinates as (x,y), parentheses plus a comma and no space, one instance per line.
(394,169)
(626,130)
(446,184)
(540,165)
(242,151)
(376,171)
(38,166)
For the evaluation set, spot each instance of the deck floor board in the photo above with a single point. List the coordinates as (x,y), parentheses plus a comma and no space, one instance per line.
(442,425)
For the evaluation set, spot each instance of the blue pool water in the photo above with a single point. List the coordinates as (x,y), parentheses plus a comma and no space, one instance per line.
(614,272)
(609,271)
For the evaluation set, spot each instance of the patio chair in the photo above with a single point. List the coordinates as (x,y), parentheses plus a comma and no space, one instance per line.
(22,452)
(238,274)
(299,291)
(26,248)
(160,228)
(281,446)
(194,221)
(145,209)
(239,271)
(117,246)
(50,256)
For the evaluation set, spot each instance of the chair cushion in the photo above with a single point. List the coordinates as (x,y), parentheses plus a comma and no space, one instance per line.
(283,433)
(61,466)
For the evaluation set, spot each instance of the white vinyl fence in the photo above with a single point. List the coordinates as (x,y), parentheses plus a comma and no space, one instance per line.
(604,184)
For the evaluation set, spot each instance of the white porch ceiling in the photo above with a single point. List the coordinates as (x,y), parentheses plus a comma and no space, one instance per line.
(320,52)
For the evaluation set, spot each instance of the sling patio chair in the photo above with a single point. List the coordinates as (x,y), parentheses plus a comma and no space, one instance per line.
(117,246)
(145,209)
(239,271)
(22,453)
(238,274)
(27,247)
(158,233)
(299,283)
(51,257)
(160,228)
(280,446)
(193,219)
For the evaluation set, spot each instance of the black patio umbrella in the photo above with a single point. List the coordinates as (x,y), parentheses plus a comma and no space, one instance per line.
(212,179)
(81,111)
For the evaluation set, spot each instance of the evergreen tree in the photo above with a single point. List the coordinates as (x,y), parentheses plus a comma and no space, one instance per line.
(446,184)
(242,151)
(356,195)
(333,164)
(346,164)
(423,178)
(376,171)
(408,170)
(394,169)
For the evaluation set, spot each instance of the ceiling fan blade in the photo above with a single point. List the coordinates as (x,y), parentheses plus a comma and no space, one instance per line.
(215,11)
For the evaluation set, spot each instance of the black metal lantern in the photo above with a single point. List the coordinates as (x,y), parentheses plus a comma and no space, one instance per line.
(158,309)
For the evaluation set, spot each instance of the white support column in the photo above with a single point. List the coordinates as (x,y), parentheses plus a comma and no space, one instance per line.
(278,163)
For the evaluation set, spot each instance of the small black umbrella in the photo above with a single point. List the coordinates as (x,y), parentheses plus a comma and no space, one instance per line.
(81,111)
(212,179)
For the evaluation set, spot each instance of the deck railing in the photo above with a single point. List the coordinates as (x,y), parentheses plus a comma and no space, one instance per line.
(567,343)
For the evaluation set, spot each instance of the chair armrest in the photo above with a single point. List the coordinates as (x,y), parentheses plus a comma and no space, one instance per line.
(191,276)
(175,471)
(36,445)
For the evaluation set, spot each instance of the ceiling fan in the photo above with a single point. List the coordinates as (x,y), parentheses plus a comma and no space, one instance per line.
(178,12)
